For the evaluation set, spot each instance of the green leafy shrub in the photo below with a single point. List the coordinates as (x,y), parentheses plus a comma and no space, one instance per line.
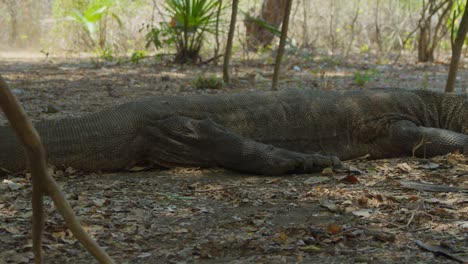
(212,82)
(92,16)
(362,77)
(91,21)
(137,55)
(105,54)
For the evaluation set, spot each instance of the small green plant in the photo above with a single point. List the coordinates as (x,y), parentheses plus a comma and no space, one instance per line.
(263,49)
(409,44)
(101,55)
(190,22)
(362,77)
(425,81)
(212,82)
(137,55)
(106,54)
(364,48)
(330,61)
(92,22)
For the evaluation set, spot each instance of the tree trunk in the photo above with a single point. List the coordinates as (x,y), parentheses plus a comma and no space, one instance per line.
(218,14)
(284,35)
(227,53)
(425,53)
(102,32)
(13,10)
(457,47)
(378,36)
(305,25)
(272,13)
(429,36)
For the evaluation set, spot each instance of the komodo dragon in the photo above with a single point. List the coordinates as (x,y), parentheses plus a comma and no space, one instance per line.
(272,133)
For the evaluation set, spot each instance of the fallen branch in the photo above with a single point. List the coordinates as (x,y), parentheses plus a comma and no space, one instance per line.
(431,187)
(42,182)
(217,189)
(211,59)
(440,251)
(380,235)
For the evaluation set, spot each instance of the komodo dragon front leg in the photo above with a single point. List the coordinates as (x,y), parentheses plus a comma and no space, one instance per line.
(407,138)
(182,141)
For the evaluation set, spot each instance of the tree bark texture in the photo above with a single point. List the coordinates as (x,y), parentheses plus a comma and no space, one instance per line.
(284,35)
(228,51)
(272,12)
(457,47)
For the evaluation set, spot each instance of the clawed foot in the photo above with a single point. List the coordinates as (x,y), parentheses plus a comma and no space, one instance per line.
(317,162)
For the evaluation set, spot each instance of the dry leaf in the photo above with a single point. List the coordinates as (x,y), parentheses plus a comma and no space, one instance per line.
(12,230)
(328,171)
(99,202)
(363,201)
(333,229)
(283,237)
(363,213)
(404,167)
(350,179)
(329,205)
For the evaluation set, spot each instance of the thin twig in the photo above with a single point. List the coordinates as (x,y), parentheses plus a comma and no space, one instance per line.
(360,158)
(410,220)
(217,189)
(212,59)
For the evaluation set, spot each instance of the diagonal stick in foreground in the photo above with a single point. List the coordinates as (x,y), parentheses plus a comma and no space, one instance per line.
(43,183)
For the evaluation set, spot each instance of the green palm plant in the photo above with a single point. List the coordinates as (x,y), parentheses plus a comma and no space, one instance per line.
(190,21)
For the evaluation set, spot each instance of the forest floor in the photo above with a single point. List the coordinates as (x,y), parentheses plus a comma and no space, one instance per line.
(374,213)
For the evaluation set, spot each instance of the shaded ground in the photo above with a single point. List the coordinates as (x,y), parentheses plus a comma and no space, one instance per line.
(217,216)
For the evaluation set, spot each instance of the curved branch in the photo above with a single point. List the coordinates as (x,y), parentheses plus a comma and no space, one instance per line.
(43,183)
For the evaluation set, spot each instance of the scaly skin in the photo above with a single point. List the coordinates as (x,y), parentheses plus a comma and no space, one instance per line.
(263,132)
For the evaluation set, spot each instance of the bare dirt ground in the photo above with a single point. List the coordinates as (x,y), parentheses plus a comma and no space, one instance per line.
(373,213)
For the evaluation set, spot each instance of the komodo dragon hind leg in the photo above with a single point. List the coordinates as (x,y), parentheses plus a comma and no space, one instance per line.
(182,141)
